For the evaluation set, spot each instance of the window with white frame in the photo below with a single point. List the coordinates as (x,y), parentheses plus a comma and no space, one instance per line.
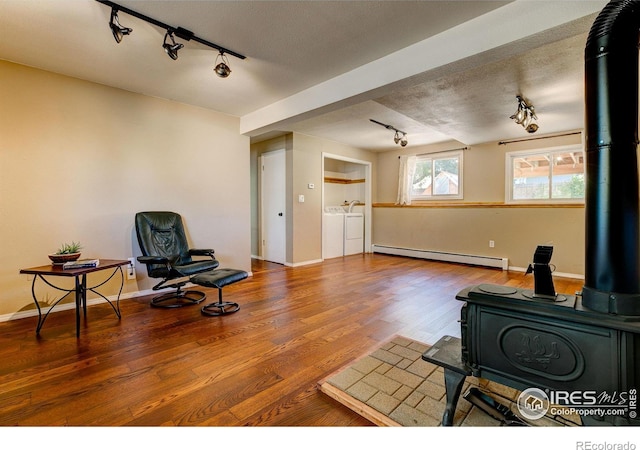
(438,176)
(553,175)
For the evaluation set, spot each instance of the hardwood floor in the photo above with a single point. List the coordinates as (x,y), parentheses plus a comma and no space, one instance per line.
(257,367)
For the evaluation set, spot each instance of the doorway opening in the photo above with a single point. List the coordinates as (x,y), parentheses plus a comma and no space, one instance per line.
(346,202)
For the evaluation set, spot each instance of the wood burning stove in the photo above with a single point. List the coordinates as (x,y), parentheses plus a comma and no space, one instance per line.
(509,336)
(585,347)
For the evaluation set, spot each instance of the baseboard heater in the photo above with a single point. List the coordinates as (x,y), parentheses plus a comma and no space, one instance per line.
(486,261)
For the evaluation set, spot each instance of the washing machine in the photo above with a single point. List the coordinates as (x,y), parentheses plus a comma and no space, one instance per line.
(353,233)
(333,232)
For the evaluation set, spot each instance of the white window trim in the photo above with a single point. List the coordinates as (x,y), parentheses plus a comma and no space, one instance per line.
(509,175)
(445,155)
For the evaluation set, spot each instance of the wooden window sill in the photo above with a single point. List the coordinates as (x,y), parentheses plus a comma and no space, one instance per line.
(423,204)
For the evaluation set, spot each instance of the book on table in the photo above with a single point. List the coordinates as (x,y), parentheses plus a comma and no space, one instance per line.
(81,264)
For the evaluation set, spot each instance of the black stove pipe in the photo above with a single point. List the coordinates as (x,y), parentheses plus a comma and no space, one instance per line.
(612,219)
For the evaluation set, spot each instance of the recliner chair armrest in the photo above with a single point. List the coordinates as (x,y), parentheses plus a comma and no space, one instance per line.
(153,260)
(201,252)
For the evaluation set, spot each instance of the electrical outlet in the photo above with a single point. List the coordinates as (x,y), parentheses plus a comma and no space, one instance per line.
(492,244)
(131,269)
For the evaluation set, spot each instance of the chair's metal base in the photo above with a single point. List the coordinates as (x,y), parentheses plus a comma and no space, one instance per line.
(178,299)
(220,308)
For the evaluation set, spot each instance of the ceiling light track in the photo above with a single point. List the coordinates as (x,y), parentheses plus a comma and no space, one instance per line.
(222,69)
(400,137)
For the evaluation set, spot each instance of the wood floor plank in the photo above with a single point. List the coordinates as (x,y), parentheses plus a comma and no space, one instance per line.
(257,367)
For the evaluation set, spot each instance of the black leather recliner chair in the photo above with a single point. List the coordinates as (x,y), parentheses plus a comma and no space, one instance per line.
(167,255)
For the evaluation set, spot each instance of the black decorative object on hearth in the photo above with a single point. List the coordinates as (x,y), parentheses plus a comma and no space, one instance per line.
(543,281)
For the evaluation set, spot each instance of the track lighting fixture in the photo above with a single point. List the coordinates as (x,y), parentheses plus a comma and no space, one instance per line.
(399,138)
(524,115)
(171,47)
(222,68)
(118,30)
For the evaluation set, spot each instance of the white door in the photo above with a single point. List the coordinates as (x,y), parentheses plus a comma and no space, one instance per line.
(273,195)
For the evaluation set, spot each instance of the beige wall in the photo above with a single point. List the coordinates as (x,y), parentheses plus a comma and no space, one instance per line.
(516,231)
(304,166)
(307,168)
(78,160)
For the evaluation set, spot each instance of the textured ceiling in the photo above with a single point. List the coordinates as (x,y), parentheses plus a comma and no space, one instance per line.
(474,106)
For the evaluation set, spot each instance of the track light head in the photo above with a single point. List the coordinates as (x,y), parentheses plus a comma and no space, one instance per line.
(118,30)
(524,115)
(400,137)
(171,47)
(222,68)
(532,128)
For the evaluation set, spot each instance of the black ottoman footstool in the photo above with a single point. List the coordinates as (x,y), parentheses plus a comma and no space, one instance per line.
(218,279)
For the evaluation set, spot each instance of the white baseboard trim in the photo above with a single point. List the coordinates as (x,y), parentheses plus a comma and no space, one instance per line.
(72,305)
(290,264)
(303,263)
(576,276)
(485,261)
(93,301)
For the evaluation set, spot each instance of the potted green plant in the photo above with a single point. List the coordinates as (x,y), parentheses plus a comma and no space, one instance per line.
(66,252)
